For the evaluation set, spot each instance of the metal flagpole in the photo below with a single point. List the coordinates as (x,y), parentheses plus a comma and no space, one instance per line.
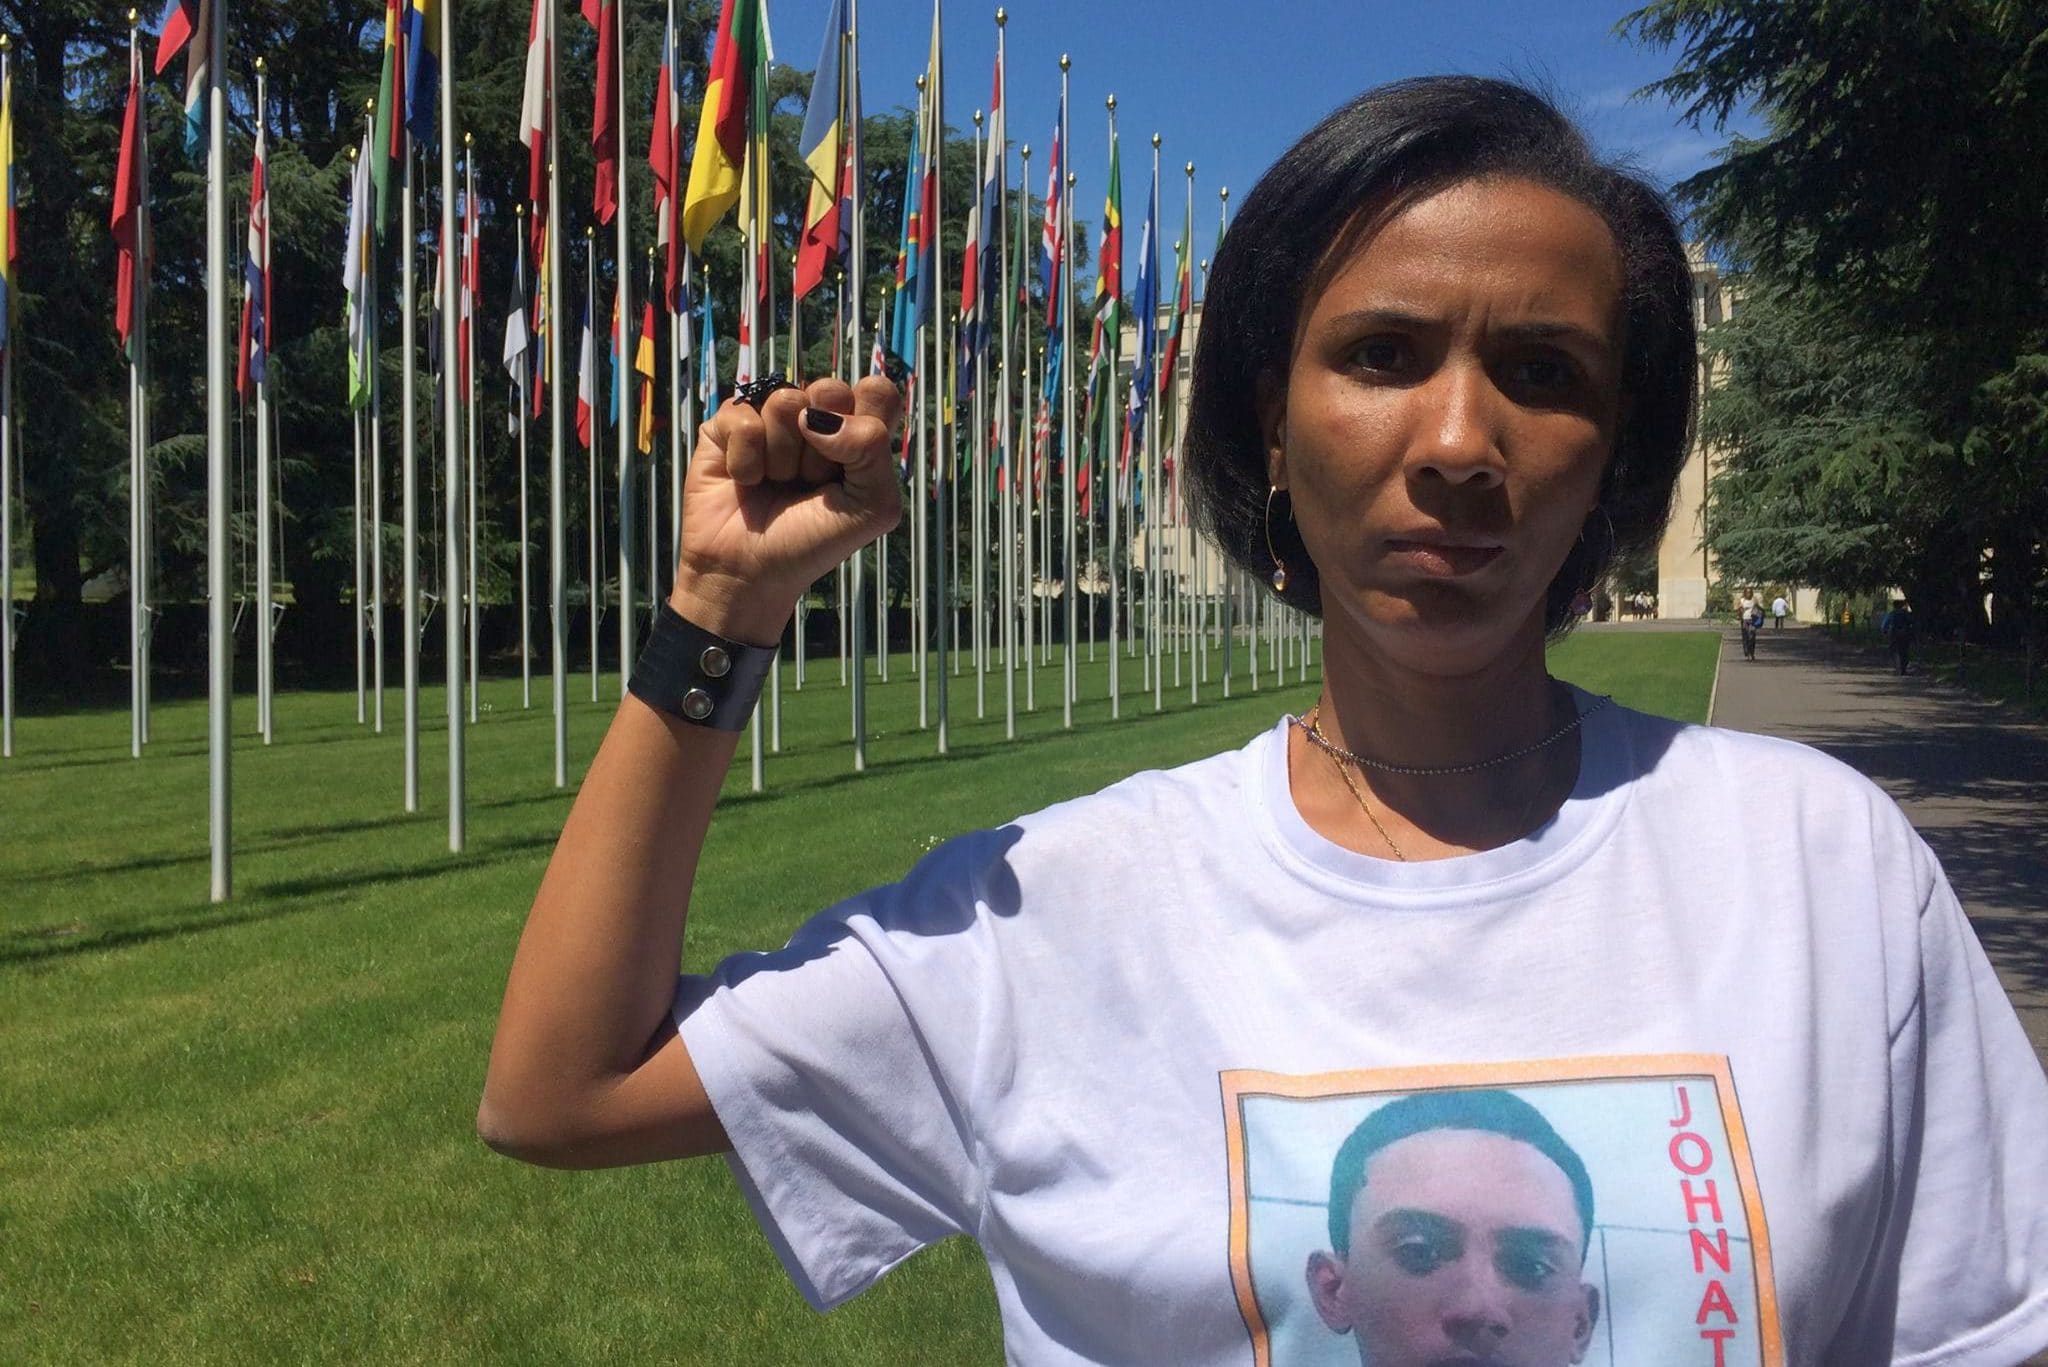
(452,586)
(408,286)
(626,378)
(1190,542)
(376,451)
(145,594)
(803,599)
(558,513)
(856,595)
(356,526)
(1007,570)
(1112,343)
(467,352)
(654,518)
(7,464)
(220,654)
(977,496)
(357,168)
(523,399)
(844,372)
(265,660)
(1026,604)
(596,426)
(137,471)
(1067,444)
(920,543)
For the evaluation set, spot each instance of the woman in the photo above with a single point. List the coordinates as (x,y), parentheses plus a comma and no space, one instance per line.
(1446,377)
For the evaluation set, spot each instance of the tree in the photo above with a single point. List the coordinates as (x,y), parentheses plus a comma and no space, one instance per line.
(1879,409)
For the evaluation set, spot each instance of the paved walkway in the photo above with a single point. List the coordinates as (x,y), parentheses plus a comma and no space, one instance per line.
(1972,776)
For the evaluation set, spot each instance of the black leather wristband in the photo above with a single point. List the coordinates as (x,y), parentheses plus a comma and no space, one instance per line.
(698,675)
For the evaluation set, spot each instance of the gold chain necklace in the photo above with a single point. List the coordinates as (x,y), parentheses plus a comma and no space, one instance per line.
(1311,725)
(1344,772)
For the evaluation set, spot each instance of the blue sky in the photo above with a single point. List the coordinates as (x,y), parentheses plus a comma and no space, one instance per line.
(1229,86)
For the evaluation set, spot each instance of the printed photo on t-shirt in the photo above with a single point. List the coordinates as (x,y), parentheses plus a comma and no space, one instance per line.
(1537,1214)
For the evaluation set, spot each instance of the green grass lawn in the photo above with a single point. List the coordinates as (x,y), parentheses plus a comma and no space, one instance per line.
(244,1132)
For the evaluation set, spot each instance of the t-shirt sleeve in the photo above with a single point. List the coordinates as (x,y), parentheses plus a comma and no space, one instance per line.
(837,1066)
(1969,1209)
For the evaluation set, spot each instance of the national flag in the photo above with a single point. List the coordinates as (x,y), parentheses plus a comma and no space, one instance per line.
(543,325)
(423,69)
(472,286)
(928,206)
(586,383)
(878,356)
(995,176)
(707,364)
(1053,245)
(534,111)
(743,364)
(1146,305)
(188,27)
(909,252)
(604,115)
(685,308)
(853,164)
(434,357)
(980,266)
(518,344)
(664,155)
(389,138)
(970,300)
(180,21)
(360,316)
(822,145)
(618,372)
(127,218)
(1183,304)
(255,341)
(1109,281)
(737,59)
(643,366)
(10,221)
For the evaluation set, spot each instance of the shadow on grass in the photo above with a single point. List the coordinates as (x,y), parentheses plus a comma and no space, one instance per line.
(282,838)
(265,901)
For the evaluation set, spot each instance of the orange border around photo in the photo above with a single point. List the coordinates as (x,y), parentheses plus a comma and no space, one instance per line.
(1240,1083)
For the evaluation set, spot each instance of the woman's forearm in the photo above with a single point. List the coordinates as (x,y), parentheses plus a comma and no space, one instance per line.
(585,1068)
(589,992)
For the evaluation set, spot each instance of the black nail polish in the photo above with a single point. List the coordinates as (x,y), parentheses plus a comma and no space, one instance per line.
(823,421)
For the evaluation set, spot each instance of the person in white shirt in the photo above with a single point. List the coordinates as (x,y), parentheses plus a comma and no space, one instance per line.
(1446,378)
(1779,608)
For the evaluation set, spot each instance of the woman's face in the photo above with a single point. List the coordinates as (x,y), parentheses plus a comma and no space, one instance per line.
(1451,404)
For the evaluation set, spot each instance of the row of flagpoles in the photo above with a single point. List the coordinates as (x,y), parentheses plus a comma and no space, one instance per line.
(947,375)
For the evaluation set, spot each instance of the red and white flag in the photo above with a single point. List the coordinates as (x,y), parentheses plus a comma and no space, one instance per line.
(255,345)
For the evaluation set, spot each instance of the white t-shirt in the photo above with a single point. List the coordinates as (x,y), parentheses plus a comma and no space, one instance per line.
(1121,1042)
(1779,607)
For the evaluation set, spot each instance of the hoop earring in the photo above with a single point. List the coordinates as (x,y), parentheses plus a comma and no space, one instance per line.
(1279,566)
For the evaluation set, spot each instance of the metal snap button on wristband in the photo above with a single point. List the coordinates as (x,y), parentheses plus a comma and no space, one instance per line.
(697,703)
(715,663)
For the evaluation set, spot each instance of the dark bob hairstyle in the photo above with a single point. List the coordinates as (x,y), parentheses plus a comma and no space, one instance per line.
(1388,148)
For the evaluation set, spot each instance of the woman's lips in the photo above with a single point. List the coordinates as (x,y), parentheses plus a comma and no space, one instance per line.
(1442,559)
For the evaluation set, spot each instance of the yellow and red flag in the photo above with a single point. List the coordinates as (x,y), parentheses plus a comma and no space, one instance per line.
(736,61)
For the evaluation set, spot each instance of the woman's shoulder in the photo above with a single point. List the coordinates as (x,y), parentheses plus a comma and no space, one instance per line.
(1131,818)
(1762,782)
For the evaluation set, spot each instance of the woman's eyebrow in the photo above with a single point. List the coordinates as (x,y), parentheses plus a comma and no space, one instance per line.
(1410,320)
(1547,331)
(1384,316)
